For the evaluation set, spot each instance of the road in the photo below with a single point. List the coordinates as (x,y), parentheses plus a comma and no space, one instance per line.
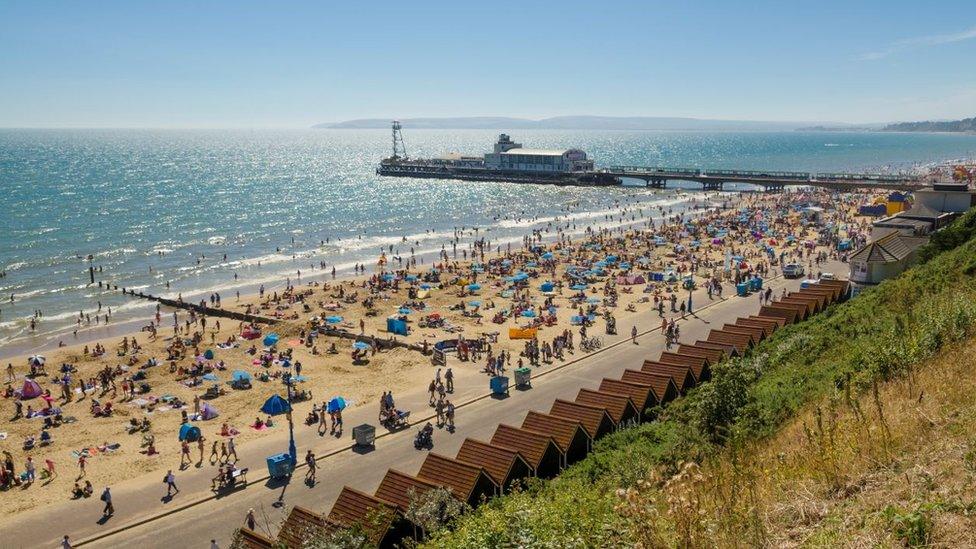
(194,517)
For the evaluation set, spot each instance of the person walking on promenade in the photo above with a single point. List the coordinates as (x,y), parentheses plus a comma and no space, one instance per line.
(310,461)
(66,542)
(633,335)
(170,480)
(449,379)
(449,413)
(232,450)
(249,519)
(109,509)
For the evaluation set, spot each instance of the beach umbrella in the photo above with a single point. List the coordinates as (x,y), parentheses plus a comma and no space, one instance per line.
(578,287)
(474,303)
(270,339)
(210,377)
(404,311)
(336,404)
(425,286)
(474,286)
(241,375)
(547,286)
(276,405)
(36,360)
(528,313)
(547,255)
(361,345)
(334,319)
(208,354)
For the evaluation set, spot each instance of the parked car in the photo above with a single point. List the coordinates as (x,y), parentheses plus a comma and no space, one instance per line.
(827,276)
(793,270)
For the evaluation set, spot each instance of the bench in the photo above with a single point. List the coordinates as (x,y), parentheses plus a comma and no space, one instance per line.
(236,475)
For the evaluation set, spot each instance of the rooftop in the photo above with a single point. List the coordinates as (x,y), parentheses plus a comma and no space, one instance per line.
(538,152)
(889,248)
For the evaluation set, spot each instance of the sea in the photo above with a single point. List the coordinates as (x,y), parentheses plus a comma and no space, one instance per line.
(193,212)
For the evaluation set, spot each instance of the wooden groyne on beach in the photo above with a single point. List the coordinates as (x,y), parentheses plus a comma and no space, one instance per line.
(377,342)
(200,309)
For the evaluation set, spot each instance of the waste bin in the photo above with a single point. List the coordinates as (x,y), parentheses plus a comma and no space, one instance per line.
(364,434)
(279,466)
(742,289)
(523,377)
(499,385)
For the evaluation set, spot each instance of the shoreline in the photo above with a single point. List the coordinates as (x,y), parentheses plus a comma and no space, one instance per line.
(344,272)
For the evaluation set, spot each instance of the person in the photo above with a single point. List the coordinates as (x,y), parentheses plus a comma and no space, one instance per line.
(185,454)
(65,542)
(30,470)
(213,544)
(249,519)
(170,483)
(310,461)
(81,466)
(109,509)
(449,380)
(214,458)
(450,415)
(633,335)
(232,450)
(88,489)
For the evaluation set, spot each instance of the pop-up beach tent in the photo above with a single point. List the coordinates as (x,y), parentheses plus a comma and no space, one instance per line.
(207,411)
(189,433)
(31,389)
(275,405)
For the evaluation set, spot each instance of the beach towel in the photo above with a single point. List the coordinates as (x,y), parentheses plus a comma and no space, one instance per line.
(261,428)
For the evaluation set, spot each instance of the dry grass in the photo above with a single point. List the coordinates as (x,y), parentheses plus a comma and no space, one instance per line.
(892,467)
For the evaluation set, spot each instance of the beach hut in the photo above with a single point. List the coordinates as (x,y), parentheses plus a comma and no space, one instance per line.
(30,389)
(570,435)
(539,450)
(470,483)
(505,465)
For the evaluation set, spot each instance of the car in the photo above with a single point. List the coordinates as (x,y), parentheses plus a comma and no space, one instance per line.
(793,270)
(827,276)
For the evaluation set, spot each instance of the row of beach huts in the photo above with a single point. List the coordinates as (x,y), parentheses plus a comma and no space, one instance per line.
(547,442)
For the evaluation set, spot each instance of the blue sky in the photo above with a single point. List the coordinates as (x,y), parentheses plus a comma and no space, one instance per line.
(294,64)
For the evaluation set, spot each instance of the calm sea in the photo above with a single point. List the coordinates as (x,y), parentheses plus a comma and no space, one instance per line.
(156,206)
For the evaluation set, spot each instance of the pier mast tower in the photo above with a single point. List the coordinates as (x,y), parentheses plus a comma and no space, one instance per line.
(399,149)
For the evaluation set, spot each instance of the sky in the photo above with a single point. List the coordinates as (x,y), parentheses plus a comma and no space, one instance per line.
(240,63)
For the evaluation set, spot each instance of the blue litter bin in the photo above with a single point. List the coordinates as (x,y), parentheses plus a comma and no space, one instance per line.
(279,466)
(499,385)
(742,289)
(755,284)
(759,283)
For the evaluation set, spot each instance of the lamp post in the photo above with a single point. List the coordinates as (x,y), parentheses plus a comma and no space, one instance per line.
(292,449)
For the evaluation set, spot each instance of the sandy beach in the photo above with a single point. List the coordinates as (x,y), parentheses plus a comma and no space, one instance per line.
(484,297)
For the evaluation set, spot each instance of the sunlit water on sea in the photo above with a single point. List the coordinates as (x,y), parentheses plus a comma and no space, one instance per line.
(148,204)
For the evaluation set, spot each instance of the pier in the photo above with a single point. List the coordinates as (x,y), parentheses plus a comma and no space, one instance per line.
(510,162)
(714,180)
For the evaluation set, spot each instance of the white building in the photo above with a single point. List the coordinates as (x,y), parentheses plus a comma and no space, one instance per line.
(510,156)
